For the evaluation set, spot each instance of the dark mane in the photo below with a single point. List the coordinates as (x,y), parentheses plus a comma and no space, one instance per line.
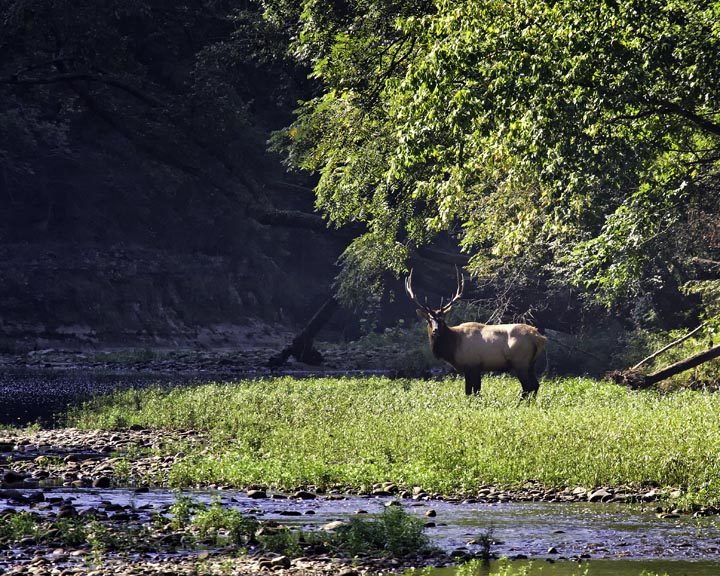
(443,346)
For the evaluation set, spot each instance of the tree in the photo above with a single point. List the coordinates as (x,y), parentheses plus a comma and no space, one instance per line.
(575,141)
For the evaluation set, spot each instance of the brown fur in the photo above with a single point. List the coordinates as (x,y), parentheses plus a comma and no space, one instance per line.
(473,348)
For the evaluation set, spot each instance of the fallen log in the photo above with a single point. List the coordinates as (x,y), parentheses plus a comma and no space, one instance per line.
(639,381)
(302,345)
(666,348)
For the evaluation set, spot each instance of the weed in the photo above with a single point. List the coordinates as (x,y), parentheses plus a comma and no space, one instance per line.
(71,531)
(182,511)
(279,539)
(15,527)
(122,470)
(484,541)
(223,525)
(393,533)
(46,462)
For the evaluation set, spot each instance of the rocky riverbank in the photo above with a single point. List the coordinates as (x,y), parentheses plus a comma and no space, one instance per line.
(65,481)
(144,458)
(251,360)
(87,533)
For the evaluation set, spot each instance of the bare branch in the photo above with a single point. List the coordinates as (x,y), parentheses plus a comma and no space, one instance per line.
(671,345)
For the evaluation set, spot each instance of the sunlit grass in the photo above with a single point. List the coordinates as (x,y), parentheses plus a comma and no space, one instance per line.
(354,432)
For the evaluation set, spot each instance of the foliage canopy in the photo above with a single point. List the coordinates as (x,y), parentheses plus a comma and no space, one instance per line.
(576,140)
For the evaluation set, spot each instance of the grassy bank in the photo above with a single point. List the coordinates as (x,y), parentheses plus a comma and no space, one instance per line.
(356,432)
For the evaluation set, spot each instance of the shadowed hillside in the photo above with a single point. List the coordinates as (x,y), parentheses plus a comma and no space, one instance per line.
(139,204)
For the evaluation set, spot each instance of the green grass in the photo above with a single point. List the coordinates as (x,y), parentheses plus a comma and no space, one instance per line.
(355,432)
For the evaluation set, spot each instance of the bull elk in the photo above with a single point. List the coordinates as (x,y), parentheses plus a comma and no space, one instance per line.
(473,348)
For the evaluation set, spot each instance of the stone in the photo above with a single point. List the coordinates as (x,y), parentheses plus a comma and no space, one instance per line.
(332,526)
(280,562)
(12,478)
(304,495)
(67,511)
(257,494)
(600,495)
(101,482)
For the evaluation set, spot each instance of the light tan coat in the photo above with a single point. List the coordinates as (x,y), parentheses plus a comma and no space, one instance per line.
(493,347)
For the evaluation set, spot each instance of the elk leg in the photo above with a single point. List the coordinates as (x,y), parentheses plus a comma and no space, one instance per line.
(472,382)
(529,383)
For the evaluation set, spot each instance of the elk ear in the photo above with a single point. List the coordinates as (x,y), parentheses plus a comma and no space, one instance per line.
(422,314)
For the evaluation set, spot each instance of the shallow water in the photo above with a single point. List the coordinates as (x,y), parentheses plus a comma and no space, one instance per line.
(611,538)
(36,396)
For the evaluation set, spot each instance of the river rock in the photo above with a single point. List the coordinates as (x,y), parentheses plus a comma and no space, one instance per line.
(600,495)
(651,495)
(380,492)
(101,482)
(332,526)
(280,562)
(67,511)
(11,478)
(304,495)
(257,494)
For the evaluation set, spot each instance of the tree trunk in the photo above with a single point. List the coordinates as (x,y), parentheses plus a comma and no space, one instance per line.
(671,345)
(635,380)
(302,345)
(682,365)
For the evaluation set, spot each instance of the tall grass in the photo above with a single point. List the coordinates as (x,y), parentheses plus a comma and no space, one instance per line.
(354,432)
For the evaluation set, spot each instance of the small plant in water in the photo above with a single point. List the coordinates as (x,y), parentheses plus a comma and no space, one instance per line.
(394,533)
(182,511)
(279,539)
(484,541)
(15,527)
(222,524)
(71,530)
(121,471)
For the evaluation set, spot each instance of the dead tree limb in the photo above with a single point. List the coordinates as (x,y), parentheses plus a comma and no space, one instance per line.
(682,365)
(671,345)
(302,345)
(637,380)
(70,77)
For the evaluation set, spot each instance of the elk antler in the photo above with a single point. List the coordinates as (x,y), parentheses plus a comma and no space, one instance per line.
(409,290)
(443,309)
(458,294)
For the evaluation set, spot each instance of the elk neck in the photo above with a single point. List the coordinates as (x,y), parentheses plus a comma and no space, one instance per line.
(443,343)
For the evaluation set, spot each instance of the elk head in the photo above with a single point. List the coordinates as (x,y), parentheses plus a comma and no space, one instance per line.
(435,318)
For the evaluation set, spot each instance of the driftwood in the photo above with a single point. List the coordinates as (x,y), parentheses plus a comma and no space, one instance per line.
(639,381)
(302,345)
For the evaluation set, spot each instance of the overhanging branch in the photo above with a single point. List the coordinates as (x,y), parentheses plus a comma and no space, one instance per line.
(86,77)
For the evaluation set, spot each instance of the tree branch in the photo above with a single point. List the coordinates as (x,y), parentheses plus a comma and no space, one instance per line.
(671,345)
(87,77)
